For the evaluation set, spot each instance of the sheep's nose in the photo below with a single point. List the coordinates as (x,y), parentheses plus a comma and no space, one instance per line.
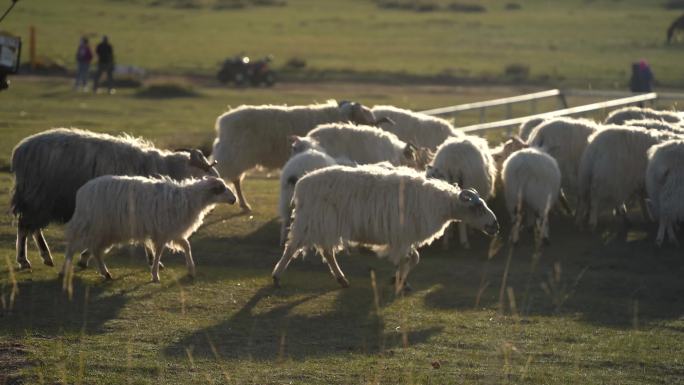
(492,228)
(231,198)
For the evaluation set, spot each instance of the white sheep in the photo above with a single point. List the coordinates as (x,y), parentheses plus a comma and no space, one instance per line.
(564,139)
(622,115)
(299,165)
(665,187)
(653,124)
(250,136)
(528,126)
(392,211)
(363,145)
(158,213)
(531,181)
(413,127)
(467,162)
(612,170)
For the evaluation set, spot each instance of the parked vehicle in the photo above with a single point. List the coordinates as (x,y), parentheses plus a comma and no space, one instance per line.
(240,70)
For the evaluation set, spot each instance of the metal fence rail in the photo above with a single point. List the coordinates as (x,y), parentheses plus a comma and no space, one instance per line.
(508,123)
(508,102)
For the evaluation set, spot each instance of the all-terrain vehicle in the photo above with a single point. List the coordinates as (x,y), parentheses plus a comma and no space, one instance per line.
(240,70)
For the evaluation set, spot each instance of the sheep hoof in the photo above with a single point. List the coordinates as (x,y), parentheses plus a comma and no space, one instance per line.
(108,276)
(276,282)
(246,209)
(48,262)
(343,282)
(161,266)
(24,265)
(155,279)
(82,264)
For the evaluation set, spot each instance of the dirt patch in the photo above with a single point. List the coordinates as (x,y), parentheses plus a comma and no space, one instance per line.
(13,357)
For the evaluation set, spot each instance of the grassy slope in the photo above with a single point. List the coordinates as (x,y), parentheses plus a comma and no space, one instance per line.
(619,321)
(586,42)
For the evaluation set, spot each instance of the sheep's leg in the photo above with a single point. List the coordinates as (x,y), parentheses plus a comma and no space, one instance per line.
(159,250)
(463,235)
(149,254)
(83,260)
(66,274)
(284,228)
(445,238)
(671,235)
(645,212)
(593,214)
(405,267)
(189,262)
(329,256)
(237,182)
(516,223)
(21,249)
(564,202)
(660,237)
(282,264)
(543,226)
(43,248)
(101,265)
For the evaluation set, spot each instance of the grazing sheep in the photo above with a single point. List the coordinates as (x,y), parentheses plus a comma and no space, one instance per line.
(295,168)
(564,139)
(467,162)
(250,136)
(393,211)
(622,115)
(528,126)
(362,145)
(612,170)
(49,167)
(158,213)
(653,124)
(531,181)
(665,187)
(413,127)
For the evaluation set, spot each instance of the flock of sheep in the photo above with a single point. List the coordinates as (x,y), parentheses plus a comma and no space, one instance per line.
(385,178)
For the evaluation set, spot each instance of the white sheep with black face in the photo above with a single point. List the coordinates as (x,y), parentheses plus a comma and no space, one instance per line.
(251,136)
(49,167)
(393,211)
(159,213)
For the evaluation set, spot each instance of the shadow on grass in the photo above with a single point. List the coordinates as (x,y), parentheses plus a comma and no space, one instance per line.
(280,332)
(41,308)
(617,283)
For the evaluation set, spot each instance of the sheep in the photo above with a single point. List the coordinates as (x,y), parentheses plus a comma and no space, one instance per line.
(622,115)
(467,162)
(250,136)
(501,152)
(528,126)
(295,168)
(532,182)
(157,212)
(653,124)
(665,187)
(393,211)
(363,145)
(49,167)
(564,139)
(413,127)
(612,170)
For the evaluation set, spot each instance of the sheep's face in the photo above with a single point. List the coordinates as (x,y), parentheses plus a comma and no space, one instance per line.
(200,165)
(417,157)
(509,147)
(301,144)
(434,173)
(359,114)
(218,192)
(476,213)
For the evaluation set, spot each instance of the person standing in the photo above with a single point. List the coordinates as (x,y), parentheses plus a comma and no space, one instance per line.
(83,58)
(105,63)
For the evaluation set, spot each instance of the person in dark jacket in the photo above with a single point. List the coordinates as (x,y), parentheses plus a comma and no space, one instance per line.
(83,58)
(642,77)
(105,63)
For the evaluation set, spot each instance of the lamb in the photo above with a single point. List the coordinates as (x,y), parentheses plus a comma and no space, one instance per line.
(413,127)
(665,187)
(49,167)
(653,124)
(250,136)
(295,168)
(528,126)
(467,162)
(393,211)
(532,182)
(622,115)
(363,145)
(612,170)
(157,212)
(564,139)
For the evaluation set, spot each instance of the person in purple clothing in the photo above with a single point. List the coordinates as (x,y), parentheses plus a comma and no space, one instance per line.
(83,58)
(105,63)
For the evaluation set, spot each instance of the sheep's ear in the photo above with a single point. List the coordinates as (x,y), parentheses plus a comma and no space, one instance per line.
(410,151)
(385,119)
(517,139)
(294,139)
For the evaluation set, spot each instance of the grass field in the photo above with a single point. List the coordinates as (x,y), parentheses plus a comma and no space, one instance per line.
(577,42)
(591,308)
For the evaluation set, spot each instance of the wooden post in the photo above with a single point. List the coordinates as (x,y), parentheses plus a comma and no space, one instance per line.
(32,47)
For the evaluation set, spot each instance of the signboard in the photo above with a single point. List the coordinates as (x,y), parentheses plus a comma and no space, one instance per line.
(10,50)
